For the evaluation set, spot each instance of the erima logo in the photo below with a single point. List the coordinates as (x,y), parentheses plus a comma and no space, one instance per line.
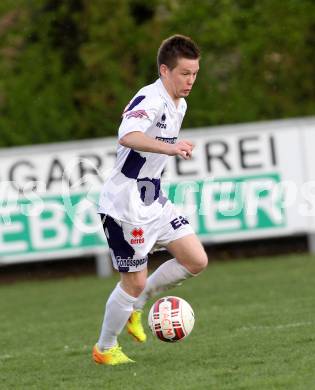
(137,233)
(162,125)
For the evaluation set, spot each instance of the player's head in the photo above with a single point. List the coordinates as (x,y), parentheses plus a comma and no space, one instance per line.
(178,64)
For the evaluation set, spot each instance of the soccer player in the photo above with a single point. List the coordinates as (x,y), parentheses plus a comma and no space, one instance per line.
(136,215)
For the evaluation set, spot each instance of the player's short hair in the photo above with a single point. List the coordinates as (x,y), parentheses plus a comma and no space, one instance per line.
(175,47)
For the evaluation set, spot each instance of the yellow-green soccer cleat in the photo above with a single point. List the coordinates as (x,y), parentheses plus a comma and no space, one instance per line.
(111,357)
(135,328)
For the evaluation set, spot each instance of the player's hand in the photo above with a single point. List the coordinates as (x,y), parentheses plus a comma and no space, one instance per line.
(183,149)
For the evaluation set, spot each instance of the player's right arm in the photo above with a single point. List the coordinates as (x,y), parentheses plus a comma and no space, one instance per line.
(141,142)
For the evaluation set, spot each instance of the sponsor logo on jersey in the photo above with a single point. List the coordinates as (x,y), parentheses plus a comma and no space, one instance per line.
(167,140)
(178,222)
(137,234)
(160,124)
(121,263)
(137,114)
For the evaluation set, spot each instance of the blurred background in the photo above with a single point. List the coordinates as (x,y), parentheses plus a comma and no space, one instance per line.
(68,68)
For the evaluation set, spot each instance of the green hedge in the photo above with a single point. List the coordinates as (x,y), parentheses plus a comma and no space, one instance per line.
(68,67)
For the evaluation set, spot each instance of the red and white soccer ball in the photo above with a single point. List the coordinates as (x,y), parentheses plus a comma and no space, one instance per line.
(171,319)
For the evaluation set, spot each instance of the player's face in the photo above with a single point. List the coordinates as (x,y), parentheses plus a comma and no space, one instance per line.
(180,80)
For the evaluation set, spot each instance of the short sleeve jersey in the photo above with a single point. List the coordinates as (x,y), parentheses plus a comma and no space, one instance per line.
(132,192)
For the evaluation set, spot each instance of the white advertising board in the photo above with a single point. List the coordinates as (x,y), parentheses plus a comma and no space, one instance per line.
(308,147)
(247,180)
(244,181)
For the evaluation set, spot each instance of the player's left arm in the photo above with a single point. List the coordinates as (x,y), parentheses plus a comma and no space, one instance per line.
(140,141)
(132,131)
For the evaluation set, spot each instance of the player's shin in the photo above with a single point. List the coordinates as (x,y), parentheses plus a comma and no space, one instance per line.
(118,309)
(166,276)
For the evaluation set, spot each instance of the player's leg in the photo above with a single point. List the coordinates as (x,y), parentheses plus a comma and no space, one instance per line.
(189,259)
(118,309)
(119,306)
(169,274)
(189,252)
(134,283)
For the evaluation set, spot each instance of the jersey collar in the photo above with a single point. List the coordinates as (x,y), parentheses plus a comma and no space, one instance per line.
(166,95)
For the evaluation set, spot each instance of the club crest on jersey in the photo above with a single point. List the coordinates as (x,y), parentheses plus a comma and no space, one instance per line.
(137,234)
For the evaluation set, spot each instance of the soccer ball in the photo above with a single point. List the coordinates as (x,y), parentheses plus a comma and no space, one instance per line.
(171,319)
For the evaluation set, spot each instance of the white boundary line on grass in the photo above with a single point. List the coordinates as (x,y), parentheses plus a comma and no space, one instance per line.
(275,327)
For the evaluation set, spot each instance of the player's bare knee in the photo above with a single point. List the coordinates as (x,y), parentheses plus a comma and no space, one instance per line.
(199,264)
(203,261)
(133,283)
(138,287)
(133,289)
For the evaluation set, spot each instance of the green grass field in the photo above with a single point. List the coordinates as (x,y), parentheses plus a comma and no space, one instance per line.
(255,329)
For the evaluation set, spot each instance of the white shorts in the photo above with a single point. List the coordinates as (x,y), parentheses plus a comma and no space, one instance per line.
(130,244)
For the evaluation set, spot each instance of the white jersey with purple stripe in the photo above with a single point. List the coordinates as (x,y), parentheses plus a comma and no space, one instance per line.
(132,192)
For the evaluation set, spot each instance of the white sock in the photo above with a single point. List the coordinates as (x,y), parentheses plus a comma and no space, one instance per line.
(118,308)
(168,275)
